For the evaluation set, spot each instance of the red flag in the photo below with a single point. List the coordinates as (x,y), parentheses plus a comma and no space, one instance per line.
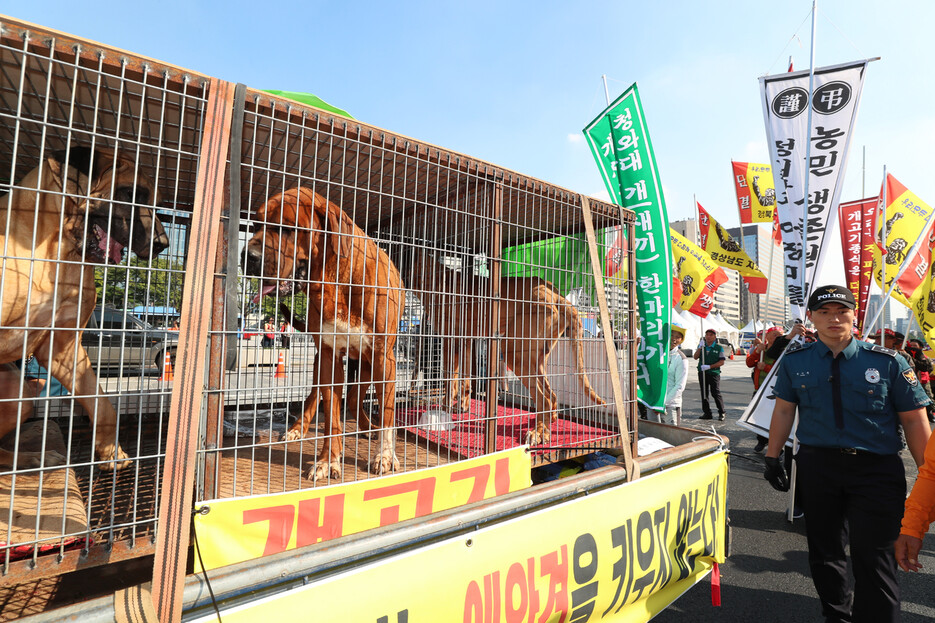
(777,232)
(856,220)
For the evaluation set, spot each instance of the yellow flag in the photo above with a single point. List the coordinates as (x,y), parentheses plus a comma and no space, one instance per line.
(699,275)
(728,253)
(906,217)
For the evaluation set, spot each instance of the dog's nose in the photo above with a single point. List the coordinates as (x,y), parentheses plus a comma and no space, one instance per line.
(254,262)
(160,243)
(301,270)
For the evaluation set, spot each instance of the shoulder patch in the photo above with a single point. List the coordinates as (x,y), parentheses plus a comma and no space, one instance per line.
(882,349)
(910,377)
(797,346)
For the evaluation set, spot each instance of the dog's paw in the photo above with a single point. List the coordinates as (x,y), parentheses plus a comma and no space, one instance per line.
(112,457)
(293,434)
(385,463)
(536,436)
(322,470)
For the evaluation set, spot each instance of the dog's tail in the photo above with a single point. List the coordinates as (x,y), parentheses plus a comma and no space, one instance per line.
(573,321)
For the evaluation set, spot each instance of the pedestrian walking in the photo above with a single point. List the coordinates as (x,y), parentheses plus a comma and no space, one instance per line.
(286,330)
(851,398)
(710,356)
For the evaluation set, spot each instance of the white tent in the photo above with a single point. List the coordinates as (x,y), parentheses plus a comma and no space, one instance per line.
(692,324)
(754,326)
(725,329)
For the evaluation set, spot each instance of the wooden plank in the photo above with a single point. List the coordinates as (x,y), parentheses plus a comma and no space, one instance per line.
(598,274)
(187,393)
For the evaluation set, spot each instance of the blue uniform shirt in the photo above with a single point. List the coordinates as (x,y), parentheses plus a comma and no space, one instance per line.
(851,401)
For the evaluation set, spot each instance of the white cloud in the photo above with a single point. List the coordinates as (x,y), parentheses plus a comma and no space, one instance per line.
(576,138)
(601,195)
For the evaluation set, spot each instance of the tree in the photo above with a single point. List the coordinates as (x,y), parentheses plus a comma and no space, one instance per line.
(151,283)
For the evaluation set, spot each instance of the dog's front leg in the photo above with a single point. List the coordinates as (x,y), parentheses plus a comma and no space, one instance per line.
(300,428)
(81,381)
(384,380)
(332,380)
(456,399)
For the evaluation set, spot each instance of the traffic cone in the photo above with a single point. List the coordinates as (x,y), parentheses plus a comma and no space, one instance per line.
(167,368)
(280,367)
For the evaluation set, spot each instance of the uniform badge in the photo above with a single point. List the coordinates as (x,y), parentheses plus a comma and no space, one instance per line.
(873,375)
(910,377)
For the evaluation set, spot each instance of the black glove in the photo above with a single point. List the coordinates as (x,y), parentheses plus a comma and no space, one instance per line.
(776,474)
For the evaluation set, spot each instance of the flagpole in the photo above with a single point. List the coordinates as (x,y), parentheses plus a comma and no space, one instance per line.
(743,247)
(790,509)
(606,92)
(701,375)
(808,149)
(883,236)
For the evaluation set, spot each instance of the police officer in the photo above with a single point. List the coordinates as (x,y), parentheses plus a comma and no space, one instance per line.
(851,397)
(710,356)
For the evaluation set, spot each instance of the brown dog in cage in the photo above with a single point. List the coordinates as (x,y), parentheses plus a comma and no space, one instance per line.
(306,243)
(76,210)
(533,315)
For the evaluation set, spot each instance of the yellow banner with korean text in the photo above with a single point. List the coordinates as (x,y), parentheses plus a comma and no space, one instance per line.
(699,275)
(620,554)
(727,252)
(238,529)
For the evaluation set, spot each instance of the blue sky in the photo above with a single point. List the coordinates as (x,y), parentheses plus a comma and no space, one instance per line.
(513,83)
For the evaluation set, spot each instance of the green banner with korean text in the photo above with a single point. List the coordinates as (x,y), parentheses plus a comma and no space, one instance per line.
(619,140)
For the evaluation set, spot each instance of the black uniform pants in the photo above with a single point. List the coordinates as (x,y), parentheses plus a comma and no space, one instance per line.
(710,385)
(854,499)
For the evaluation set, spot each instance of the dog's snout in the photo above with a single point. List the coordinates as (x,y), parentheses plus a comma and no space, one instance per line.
(254,261)
(301,270)
(160,243)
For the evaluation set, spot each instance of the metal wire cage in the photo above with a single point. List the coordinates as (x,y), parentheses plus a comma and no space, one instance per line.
(334,302)
(88,247)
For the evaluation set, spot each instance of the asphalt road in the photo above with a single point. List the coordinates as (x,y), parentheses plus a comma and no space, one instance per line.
(766,575)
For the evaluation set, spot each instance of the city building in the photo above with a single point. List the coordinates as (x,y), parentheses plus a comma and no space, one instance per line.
(772,307)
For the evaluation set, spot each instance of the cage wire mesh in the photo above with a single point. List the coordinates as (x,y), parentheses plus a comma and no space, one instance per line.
(96,183)
(447,259)
(386,306)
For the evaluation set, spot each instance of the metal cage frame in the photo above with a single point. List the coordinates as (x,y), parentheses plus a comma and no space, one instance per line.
(216,151)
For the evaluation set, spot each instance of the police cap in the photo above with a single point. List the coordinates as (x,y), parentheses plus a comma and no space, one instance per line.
(823,295)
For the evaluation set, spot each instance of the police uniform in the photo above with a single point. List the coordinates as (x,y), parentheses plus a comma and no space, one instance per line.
(710,380)
(850,474)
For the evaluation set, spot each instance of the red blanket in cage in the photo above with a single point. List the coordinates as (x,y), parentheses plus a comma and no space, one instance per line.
(465,432)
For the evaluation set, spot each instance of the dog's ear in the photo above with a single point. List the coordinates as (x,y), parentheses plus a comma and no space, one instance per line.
(341,236)
(82,159)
